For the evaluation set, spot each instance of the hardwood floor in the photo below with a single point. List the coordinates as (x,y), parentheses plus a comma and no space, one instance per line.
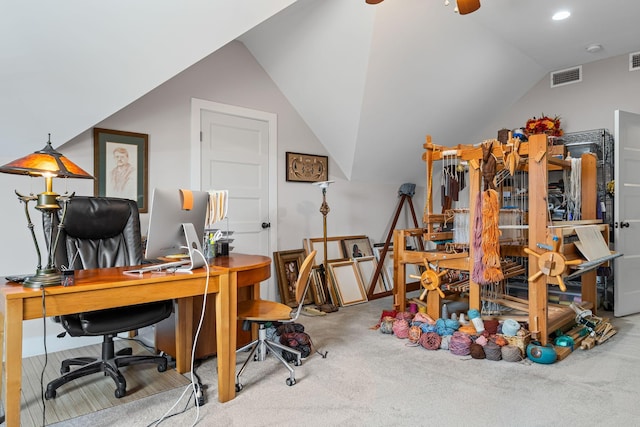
(88,394)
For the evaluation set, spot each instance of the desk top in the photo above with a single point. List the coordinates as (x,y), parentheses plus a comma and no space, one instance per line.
(114,277)
(239,262)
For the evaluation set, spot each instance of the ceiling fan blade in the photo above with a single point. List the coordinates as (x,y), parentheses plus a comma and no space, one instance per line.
(468,6)
(374,1)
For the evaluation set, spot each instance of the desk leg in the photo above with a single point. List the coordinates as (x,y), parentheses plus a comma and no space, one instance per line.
(13,361)
(226,321)
(183,333)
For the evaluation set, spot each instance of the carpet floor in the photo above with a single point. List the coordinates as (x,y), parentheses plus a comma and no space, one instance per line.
(373,379)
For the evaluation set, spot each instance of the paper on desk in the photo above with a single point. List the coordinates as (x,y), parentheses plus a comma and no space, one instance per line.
(591,244)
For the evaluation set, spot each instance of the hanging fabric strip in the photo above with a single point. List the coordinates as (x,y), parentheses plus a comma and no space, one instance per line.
(218,204)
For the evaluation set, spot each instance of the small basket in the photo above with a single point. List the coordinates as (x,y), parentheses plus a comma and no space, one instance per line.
(521,341)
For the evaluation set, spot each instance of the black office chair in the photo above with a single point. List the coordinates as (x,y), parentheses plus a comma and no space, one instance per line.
(101,232)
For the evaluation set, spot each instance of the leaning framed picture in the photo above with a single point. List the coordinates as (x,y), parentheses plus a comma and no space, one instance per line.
(307,167)
(288,265)
(357,247)
(367,267)
(334,249)
(121,165)
(348,282)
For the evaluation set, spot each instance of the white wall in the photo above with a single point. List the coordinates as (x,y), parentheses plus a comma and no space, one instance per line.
(232,76)
(606,85)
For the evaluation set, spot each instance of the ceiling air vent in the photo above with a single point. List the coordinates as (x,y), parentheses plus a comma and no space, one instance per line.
(634,61)
(565,77)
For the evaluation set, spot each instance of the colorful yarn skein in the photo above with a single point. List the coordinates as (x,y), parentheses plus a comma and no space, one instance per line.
(492,351)
(430,341)
(444,342)
(401,328)
(386,326)
(511,353)
(510,327)
(459,344)
(491,326)
(446,326)
(414,334)
(476,351)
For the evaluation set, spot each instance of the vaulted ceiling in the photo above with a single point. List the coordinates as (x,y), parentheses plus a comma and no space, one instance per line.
(370,80)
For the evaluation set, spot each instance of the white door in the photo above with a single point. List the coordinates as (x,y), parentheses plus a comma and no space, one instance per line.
(236,150)
(626,296)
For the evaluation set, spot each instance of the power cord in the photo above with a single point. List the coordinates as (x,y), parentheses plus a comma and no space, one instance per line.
(195,386)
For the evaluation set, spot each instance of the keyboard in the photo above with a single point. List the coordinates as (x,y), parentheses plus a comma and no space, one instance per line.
(158,267)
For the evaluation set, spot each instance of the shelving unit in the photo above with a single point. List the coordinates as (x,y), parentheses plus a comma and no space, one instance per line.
(601,143)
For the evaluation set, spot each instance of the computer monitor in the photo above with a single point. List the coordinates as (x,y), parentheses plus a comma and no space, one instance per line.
(176,224)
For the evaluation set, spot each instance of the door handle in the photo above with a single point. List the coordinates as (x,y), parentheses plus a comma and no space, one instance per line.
(624,224)
(266,225)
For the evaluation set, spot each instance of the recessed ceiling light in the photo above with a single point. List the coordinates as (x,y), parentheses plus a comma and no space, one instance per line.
(559,16)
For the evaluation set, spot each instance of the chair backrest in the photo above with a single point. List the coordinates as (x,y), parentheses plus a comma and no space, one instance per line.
(99,232)
(302,284)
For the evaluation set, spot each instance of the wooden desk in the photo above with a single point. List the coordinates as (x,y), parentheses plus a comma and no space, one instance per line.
(107,288)
(246,272)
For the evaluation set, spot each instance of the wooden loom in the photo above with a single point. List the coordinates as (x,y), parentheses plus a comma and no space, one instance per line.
(531,156)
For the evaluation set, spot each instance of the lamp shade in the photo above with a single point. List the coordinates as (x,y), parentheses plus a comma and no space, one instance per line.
(45,162)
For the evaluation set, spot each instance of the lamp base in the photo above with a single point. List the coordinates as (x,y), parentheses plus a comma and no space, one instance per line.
(43,277)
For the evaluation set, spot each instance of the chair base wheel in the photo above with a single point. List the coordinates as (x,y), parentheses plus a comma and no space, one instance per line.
(239,387)
(120,393)
(291,381)
(50,394)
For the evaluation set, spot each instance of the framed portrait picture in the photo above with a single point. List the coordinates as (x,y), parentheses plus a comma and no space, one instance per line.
(307,167)
(348,283)
(288,265)
(120,163)
(357,247)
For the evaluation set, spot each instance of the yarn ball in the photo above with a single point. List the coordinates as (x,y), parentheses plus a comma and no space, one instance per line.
(414,334)
(426,327)
(460,343)
(404,315)
(491,326)
(467,329)
(492,351)
(444,342)
(423,318)
(482,340)
(510,327)
(473,313)
(511,353)
(446,326)
(388,313)
(401,328)
(386,326)
(476,351)
(500,340)
(430,340)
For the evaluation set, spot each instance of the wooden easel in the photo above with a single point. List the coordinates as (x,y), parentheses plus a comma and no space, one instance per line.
(403,198)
